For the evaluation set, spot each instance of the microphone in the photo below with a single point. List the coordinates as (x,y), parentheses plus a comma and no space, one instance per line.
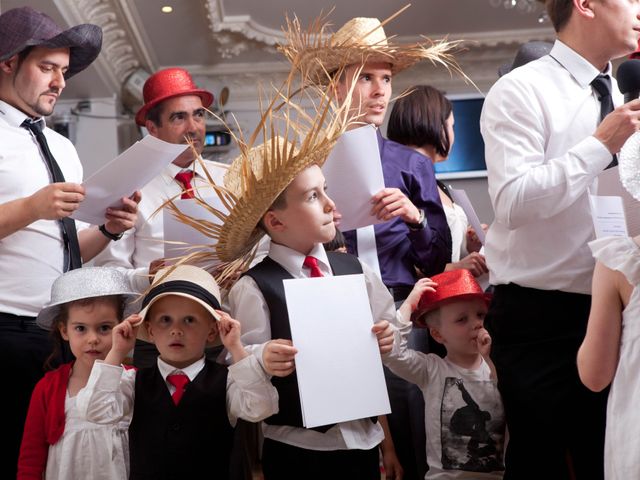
(628,77)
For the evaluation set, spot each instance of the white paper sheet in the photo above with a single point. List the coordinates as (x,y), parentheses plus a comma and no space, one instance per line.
(338,364)
(367,249)
(608,185)
(180,238)
(608,216)
(128,172)
(460,197)
(354,174)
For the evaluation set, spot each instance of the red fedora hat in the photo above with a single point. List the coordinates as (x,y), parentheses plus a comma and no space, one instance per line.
(168,83)
(453,285)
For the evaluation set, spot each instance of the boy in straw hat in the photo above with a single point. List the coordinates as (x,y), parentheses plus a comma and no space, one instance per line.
(362,61)
(278,188)
(464,414)
(185,406)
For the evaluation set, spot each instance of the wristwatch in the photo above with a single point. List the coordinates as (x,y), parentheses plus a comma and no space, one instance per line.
(422,222)
(111,236)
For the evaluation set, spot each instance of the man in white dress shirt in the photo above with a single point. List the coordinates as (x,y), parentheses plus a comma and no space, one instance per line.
(40,177)
(545,146)
(174,111)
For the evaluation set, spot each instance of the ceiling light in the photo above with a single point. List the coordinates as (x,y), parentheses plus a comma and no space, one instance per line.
(167,9)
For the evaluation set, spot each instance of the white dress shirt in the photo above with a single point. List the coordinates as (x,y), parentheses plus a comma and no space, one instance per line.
(143,243)
(31,258)
(248,306)
(250,394)
(542,158)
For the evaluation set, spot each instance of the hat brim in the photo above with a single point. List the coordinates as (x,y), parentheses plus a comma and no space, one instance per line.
(49,313)
(142,331)
(83,41)
(205,96)
(320,63)
(418,315)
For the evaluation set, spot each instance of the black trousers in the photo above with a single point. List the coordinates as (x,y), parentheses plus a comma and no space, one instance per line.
(553,419)
(285,462)
(24,347)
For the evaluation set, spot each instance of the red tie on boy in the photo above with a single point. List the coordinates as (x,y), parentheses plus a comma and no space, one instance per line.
(312,264)
(179,381)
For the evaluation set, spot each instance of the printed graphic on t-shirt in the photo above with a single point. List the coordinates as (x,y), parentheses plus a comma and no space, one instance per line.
(472,426)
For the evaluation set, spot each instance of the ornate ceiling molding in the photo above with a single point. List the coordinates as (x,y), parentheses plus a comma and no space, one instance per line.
(236,34)
(123,52)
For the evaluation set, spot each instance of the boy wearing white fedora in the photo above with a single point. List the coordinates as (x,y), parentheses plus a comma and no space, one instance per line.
(185,406)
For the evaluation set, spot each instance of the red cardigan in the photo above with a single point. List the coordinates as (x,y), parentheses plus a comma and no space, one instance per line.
(45,422)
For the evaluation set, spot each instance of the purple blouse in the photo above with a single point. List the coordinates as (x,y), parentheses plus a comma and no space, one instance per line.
(400,249)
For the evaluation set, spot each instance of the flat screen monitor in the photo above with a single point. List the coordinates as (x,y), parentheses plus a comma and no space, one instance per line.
(466,159)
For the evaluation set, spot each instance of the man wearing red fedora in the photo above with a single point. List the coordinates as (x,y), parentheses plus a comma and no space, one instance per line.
(174,110)
(40,176)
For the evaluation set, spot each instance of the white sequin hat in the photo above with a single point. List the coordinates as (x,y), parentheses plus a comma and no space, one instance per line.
(84,283)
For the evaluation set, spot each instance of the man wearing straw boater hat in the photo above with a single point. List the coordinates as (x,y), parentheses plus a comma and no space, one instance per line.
(415,233)
(39,190)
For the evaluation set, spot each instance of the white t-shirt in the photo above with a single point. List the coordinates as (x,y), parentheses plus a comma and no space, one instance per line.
(464,416)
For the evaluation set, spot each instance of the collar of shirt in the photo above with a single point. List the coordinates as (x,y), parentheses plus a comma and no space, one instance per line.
(191,371)
(580,69)
(292,260)
(15,117)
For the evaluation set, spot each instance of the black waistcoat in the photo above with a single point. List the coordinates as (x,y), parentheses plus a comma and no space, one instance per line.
(268,276)
(168,442)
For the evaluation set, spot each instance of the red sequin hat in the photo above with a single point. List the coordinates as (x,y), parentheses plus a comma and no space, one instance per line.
(168,83)
(452,285)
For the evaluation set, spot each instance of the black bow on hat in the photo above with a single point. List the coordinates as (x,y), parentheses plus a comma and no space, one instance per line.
(25,27)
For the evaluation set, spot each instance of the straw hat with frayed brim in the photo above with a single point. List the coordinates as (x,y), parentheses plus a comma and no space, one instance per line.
(83,283)
(186,281)
(361,40)
(258,178)
(288,139)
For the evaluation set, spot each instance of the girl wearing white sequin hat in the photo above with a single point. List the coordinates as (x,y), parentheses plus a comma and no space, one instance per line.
(58,442)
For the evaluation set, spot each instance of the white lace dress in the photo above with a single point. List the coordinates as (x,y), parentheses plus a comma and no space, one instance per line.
(97,450)
(622,444)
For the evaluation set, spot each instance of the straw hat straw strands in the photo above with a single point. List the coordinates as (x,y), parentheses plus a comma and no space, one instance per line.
(290,141)
(319,57)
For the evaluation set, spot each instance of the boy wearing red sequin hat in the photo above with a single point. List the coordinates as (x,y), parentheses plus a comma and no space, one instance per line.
(464,416)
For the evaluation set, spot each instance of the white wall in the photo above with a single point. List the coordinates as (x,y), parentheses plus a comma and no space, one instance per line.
(96,130)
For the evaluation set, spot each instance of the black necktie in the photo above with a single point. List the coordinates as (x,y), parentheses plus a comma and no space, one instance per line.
(602,85)
(72,258)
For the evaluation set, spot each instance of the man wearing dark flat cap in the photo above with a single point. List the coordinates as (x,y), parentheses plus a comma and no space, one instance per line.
(40,176)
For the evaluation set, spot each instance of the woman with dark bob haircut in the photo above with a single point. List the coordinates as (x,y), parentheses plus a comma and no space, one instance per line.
(422,119)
